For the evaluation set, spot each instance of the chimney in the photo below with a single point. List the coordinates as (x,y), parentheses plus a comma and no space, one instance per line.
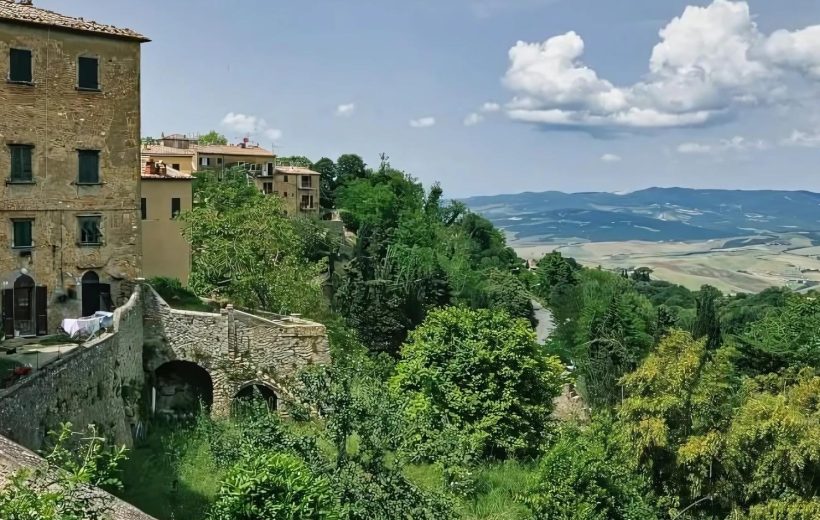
(149,167)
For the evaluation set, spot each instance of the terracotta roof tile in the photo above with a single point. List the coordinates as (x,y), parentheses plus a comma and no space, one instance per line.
(226,149)
(24,13)
(170,174)
(158,149)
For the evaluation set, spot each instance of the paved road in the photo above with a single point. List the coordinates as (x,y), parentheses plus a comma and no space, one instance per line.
(545,322)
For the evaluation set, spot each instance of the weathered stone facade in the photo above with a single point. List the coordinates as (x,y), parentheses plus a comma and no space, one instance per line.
(98,383)
(237,349)
(56,119)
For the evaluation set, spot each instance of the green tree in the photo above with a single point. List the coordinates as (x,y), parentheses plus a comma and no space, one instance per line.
(350,167)
(478,374)
(328,182)
(273,486)
(212,137)
(707,321)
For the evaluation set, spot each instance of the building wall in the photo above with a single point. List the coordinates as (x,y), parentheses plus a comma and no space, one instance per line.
(99,382)
(290,191)
(185,162)
(57,120)
(228,160)
(166,252)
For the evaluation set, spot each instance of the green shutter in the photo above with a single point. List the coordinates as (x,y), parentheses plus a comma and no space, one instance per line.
(22,233)
(21,163)
(87,73)
(20,65)
(89,167)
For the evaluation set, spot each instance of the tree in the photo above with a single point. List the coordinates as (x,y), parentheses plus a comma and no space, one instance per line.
(212,137)
(642,274)
(328,182)
(707,321)
(579,478)
(478,375)
(350,167)
(274,485)
(553,273)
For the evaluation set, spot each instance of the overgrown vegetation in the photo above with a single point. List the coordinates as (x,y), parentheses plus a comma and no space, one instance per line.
(438,401)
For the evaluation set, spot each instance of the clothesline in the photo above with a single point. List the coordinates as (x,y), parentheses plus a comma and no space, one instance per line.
(88,326)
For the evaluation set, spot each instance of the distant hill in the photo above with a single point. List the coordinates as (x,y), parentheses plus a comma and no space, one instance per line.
(654,214)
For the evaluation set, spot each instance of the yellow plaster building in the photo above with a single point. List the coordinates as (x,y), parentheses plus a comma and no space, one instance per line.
(69,160)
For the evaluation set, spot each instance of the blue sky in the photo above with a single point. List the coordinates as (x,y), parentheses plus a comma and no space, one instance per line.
(599,95)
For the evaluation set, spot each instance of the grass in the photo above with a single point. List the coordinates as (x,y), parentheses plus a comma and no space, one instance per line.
(499,485)
(180,297)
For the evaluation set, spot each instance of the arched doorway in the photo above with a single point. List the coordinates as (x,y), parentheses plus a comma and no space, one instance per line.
(24,308)
(96,295)
(181,389)
(250,393)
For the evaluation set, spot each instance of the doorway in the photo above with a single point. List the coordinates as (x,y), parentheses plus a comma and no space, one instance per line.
(23,306)
(96,295)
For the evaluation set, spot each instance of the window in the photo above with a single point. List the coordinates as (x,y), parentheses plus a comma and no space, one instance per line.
(286,178)
(305,202)
(22,233)
(218,161)
(267,188)
(175,207)
(90,230)
(89,161)
(269,169)
(144,208)
(88,73)
(204,161)
(20,66)
(21,163)
(307,181)
(284,193)
(175,166)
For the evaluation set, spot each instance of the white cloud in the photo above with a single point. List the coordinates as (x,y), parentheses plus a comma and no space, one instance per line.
(243,124)
(273,134)
(490,106)
(473,119)
(710,62)
(611,158)
(735,144)
(346,110)
(802,139)
(423,122)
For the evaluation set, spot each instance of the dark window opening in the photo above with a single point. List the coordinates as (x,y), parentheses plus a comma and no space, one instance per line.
(175,207)
(88,73)
(90,233)
(20,66)
(175,166)
(22,233)
(286,178)
(89,161)
(267,188)
(218,161)
(307,181)
(21,163)
(144,208)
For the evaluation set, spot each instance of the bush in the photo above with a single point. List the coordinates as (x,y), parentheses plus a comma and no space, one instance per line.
(273,486)
(479,380)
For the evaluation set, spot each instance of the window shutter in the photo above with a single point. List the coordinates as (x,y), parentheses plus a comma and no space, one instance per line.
(41,305)
(20,65)
(87,75)
(144,208)
(8,313)
(22,233)
(89,167)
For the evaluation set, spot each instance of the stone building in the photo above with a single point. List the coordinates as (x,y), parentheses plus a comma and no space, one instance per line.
(166,193)
(298,187)
(69,155)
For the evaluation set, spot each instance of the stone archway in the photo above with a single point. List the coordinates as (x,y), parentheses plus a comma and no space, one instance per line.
(255,390)
(181,388)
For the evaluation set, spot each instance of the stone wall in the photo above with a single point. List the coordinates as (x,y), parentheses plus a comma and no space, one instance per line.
(99,383)
(234,347)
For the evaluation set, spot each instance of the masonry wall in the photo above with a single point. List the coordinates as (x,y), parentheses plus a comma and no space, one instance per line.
(235,348)
(168,253)
(57,119)
(98,383)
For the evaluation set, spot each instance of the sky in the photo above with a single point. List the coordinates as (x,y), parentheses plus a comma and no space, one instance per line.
(495,96)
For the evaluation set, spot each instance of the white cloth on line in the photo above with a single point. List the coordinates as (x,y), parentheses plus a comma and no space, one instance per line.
(82,326)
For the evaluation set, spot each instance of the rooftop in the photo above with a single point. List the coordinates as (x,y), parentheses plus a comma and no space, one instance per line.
(161,171)
(158,149)
(229,149)
(298,170)
(25,12)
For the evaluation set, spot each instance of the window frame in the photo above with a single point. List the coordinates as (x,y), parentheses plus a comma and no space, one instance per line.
(303,184)
(98,87)
(98,220)
(16,221)
(176,201)
(30,81)
(20,146)
(85,152)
